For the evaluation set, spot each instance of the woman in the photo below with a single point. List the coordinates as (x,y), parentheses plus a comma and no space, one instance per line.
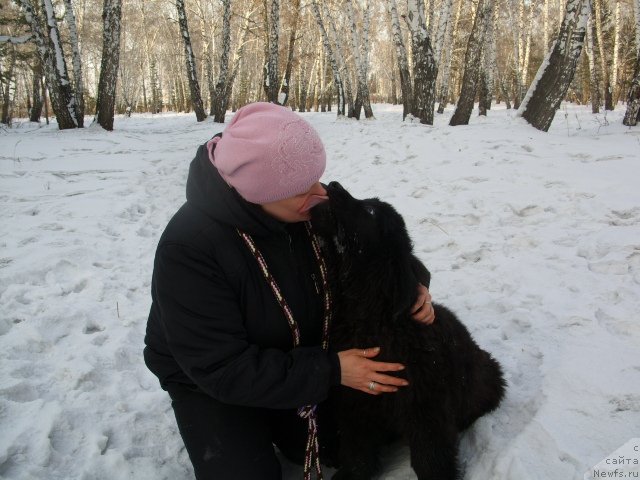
(237,331)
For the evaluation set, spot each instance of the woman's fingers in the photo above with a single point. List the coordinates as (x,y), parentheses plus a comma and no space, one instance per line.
(361,373)
(389,380)
(423,297)
(422,310)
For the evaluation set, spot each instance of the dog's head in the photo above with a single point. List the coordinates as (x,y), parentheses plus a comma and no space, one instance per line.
(368,247)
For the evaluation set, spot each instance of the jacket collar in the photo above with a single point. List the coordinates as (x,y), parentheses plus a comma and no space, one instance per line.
(207,191)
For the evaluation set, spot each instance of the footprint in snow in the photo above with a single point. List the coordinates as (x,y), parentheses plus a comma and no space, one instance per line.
(469,257)
(4,262)
(133,213)
(625,403)
(610,267)
(475,179)
(624,217)
(594,252)
(527,211)
(144,232)
(21,392)
(472,219)
(92,327)
(621,327)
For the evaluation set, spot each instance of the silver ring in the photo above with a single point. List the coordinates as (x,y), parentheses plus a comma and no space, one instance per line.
(372,385)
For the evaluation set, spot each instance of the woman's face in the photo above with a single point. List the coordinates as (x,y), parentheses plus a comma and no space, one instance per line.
(297,209)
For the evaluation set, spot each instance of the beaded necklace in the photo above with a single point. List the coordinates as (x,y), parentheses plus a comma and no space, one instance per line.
(312,451)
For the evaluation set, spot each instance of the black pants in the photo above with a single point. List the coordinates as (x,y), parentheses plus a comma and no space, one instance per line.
(227,442)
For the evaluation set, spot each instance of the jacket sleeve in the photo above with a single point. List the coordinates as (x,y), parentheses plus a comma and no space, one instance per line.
(203,325)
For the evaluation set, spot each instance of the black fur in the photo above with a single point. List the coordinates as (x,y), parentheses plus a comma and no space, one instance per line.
(374,277)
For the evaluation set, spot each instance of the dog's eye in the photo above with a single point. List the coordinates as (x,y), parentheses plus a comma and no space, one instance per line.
(370,210)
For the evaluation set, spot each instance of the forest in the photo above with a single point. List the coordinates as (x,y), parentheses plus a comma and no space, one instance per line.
(71,58)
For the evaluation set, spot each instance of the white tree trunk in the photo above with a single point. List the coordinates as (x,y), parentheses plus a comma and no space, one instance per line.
(342,63)
(221,98)
(239,53)
(77,62)
(632,115)
(190,59)
(527,48)
(594,87)
(286,80)
(545,33)
(443,95)
(271,76)
(366,43)
(516,26)
(443,22)
(490,57)
(51,56)
(362,97)
(557,70)
(425,68)
(606,76)
(332,58)
(472,64)
(616,51)
(403,63)
(105,106)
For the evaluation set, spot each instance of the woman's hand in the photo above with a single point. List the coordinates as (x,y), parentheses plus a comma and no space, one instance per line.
(422,310)
(362,374)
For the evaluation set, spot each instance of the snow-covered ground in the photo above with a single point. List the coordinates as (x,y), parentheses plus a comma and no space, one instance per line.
(532,238)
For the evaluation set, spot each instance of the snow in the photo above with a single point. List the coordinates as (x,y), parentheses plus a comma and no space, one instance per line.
(532,238)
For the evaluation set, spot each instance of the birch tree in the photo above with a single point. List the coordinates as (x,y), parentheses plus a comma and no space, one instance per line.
(448,48)
(403,62)
(192,71)
(220,99)
(224,96)
(337,77)
(604,67)
(443,22)
(37,94)
(632,115)
(517,28)
(286,81)
(362,96)
(617,22)
(50,51)
(111,15)
(473,58)
(488,64)
(558,68)
(70,19)
(271,80)
(594,89)
(6,79)
(425,69)
(340,57)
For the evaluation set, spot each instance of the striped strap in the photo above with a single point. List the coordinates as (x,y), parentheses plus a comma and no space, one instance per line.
(312,451)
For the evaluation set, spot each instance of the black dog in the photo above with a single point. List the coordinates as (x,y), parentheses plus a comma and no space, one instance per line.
(374,277)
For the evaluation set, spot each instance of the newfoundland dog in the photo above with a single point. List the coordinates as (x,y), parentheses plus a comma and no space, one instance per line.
(452,381)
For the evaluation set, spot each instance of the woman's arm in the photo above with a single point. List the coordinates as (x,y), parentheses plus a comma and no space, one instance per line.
(204,328)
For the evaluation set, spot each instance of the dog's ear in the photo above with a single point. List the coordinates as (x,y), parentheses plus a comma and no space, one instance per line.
(404,285)
(420,271)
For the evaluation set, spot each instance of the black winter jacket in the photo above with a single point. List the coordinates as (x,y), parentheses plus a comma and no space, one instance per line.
(214,322)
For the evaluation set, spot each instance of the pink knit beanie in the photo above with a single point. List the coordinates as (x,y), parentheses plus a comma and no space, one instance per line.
(268,153)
